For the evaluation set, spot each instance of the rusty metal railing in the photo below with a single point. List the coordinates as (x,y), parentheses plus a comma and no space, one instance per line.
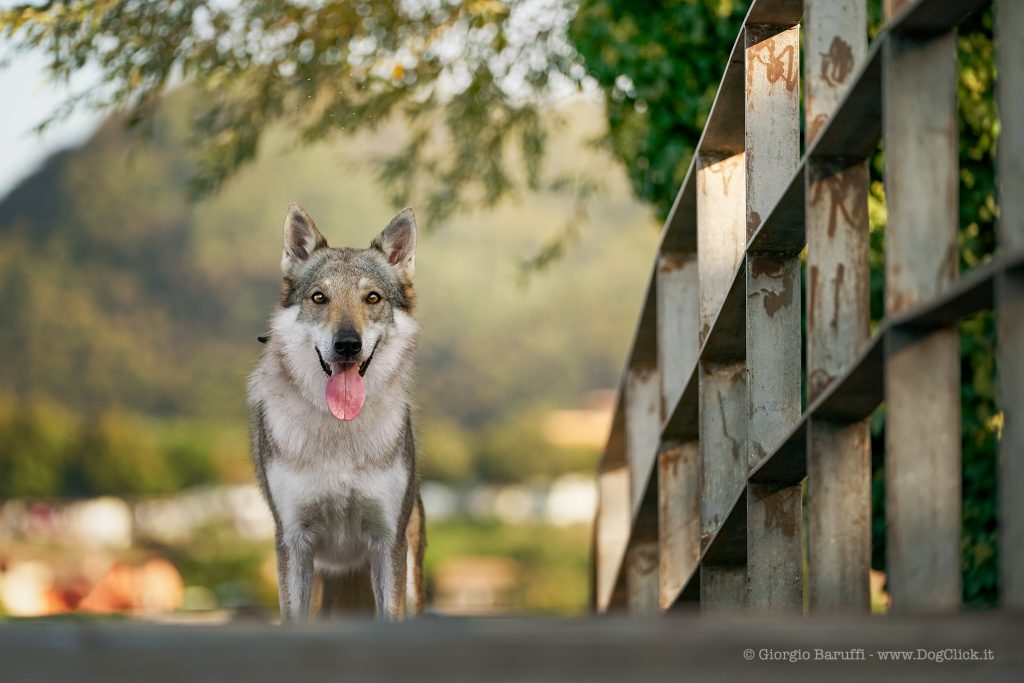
(702,483)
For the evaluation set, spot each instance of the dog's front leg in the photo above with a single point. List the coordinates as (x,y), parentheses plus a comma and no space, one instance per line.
(295,577)
(387,572)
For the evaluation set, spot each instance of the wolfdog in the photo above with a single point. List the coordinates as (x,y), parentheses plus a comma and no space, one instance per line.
(331,428)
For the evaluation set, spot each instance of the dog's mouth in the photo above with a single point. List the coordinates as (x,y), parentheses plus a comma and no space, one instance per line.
(345,391)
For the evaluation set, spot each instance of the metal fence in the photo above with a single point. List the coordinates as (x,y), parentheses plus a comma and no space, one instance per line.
(702,484)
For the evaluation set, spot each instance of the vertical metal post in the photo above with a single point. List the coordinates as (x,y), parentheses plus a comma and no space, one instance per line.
(612,532)
(678,517)
(721,237)
(642,577)
(643,426)
(1010,299)
(679,464)
(678,323)
(922,386)
(772,143)
(838,315)
(643,429)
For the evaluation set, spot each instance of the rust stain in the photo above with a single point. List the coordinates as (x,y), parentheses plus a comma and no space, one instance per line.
(816,125)
(704,332)
(645,558)
(775,301)
(672,263)
(778,67)
(725,171)
(846,199)
(837,286)
(837,62)
(733,442)
(817,381)
(753,222)
(766,265)
(759,452)
(778,514)
(670,462)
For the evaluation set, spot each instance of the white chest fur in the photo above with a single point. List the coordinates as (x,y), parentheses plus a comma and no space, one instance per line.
(337,487)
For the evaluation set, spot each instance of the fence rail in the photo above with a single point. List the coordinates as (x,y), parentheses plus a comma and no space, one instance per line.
(701,485)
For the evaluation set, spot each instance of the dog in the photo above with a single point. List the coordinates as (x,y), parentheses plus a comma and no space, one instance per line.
(331,426)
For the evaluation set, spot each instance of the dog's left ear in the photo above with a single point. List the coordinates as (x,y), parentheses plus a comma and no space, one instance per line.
(398,243)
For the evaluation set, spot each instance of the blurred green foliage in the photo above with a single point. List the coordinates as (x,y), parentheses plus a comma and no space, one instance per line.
(658,65)
(49,451)
(550,560)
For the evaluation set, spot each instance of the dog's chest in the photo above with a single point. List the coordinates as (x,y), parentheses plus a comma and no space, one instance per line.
(336,501)
(340,480)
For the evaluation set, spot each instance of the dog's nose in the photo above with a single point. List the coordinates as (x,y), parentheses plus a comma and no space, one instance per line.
(347,344)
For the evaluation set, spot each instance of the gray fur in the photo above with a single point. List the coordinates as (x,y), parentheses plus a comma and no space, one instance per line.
(342,494)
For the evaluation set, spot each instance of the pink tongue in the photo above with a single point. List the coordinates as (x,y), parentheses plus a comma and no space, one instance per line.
(345,391)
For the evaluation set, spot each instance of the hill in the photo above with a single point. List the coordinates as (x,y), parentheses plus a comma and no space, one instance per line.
(128,315)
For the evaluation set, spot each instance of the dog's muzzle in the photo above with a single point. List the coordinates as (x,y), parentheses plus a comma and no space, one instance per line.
(362,368)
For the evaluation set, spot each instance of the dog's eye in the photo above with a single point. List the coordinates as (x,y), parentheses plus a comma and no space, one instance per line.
(319,298)
(373,298)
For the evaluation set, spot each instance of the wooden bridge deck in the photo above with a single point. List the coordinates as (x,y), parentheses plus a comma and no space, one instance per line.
(674,648)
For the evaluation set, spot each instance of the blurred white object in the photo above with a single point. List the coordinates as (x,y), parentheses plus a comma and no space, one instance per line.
(439,501)
(101,522)
(24,588)
(572,500)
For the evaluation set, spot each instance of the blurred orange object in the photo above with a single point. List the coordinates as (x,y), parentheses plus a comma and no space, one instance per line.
(155,586)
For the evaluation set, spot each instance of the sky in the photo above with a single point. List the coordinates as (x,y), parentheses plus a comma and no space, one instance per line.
(29,96)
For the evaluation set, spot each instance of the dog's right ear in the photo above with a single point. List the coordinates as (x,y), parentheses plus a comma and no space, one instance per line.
(301,239)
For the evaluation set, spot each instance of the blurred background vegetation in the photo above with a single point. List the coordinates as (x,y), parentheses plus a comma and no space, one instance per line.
(527,134)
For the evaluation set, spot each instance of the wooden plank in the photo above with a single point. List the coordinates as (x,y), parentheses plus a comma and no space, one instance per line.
(723,588)
(771,115)
(723,451)
(838,304)
(922,385)
(774,550)
(511,650)
(721,231)
(855,127)
(1010,298)
(723,436)
(782,231)
(839,515)
(922,470)
(838,315)
(678,517)
(643,425)
(612,531)
(1010,347)
(678,324)
(772,329)
(642,577)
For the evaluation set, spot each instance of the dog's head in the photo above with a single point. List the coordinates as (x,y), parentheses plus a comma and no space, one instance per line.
(345,320)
